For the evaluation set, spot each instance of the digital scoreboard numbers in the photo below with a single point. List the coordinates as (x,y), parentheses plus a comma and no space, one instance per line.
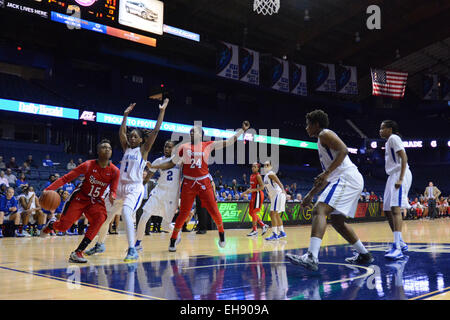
(103,11)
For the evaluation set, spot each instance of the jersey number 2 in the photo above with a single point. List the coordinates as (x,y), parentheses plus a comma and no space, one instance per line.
(169,175)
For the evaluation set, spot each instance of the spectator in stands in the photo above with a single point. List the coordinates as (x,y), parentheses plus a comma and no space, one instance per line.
(2,164)
(245,197)
(417,209)
(11,177)
(12,164)
(31,163)
(432,194)
(237,197)
(361,198)
(26,167)
(294,188)
(69,187)
(79,180)
(22,180)
(51,179)
(373,197)
(244,179)
(223,196)
(298,198)
(71,165)
(229,197)
(365,193)
(3,188)
(8,210)
(3,179)
(289,198)
(47,161)
(80,161)
(234,186)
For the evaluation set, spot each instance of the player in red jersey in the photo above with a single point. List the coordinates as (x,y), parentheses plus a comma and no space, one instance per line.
(256,201)
(87,197)
(196,179)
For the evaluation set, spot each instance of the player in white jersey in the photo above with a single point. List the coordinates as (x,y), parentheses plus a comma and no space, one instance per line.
(343,185)
(397,186)
(163,201)
(277,196)
(136,145)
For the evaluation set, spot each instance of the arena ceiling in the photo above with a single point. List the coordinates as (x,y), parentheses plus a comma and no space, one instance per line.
(409,26)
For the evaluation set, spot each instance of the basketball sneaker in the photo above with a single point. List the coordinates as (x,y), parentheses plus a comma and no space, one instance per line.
(222,239)
(307,260)
(48,228)
(139,248)
(264,229)
(60,234)
(174,243)
(252,233)
(403,247)
(395,253)
(132,255)
(19,234)
(360,258)
(273,237)
(97,248)
(77,257)
(282,235)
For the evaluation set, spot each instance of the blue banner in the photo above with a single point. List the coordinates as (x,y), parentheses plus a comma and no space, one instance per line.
(38,109)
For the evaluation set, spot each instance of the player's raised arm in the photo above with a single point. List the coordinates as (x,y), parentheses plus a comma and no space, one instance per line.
(75,173)
(330,140)
(150,136)
(233,139)
(123,127)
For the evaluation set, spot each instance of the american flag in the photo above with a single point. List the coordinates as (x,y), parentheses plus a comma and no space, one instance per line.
(388,83)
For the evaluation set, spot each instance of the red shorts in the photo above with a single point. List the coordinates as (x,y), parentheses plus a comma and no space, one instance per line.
(74,208)
(256,202)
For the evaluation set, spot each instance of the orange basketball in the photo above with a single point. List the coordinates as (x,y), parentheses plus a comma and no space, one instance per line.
(49,200)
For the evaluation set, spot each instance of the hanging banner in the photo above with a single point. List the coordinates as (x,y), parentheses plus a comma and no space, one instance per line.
(445,88)
(249,66)
(346,79)
(280,75)
(227,61)
(297,77)
(324,77)
(430,87)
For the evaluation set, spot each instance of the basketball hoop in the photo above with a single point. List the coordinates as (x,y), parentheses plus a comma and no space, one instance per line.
(266,6)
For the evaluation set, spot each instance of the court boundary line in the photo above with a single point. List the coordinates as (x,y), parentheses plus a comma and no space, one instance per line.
(431,294)
(91,285)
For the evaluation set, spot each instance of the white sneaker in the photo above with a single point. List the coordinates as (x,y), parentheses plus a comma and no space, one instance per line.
(252,233)
(307,260)
(395,253)
(264,229)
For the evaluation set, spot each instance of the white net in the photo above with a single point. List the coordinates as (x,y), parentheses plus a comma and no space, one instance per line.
(266,6)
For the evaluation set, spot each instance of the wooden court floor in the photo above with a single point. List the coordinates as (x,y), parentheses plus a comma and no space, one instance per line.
(246,269)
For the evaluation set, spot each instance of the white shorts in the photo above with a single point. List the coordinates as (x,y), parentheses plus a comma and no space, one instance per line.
(397,197)
(278,203)
(342,193)
(162,203)
(131,194)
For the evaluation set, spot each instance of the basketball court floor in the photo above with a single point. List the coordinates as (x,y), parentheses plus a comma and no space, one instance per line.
(247,269)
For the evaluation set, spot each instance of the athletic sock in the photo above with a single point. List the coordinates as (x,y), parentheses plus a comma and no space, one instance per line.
(359,247)
(314,246)
(397,238)
(281,228)
(275,230)
(174,234)
(83,245)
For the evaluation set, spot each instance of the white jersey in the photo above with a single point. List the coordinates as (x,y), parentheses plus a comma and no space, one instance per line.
(273,189)
(393,162)
(169,180)
(27,198)
(327,156)
(132,166)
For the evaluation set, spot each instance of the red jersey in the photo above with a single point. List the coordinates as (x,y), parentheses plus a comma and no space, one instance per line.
(96,179)
(195,158)
(254,184)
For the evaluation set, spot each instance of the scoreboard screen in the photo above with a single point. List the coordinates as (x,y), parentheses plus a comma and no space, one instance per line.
(127,19)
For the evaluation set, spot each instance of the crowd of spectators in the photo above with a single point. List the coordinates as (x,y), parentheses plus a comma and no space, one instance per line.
(19,203)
